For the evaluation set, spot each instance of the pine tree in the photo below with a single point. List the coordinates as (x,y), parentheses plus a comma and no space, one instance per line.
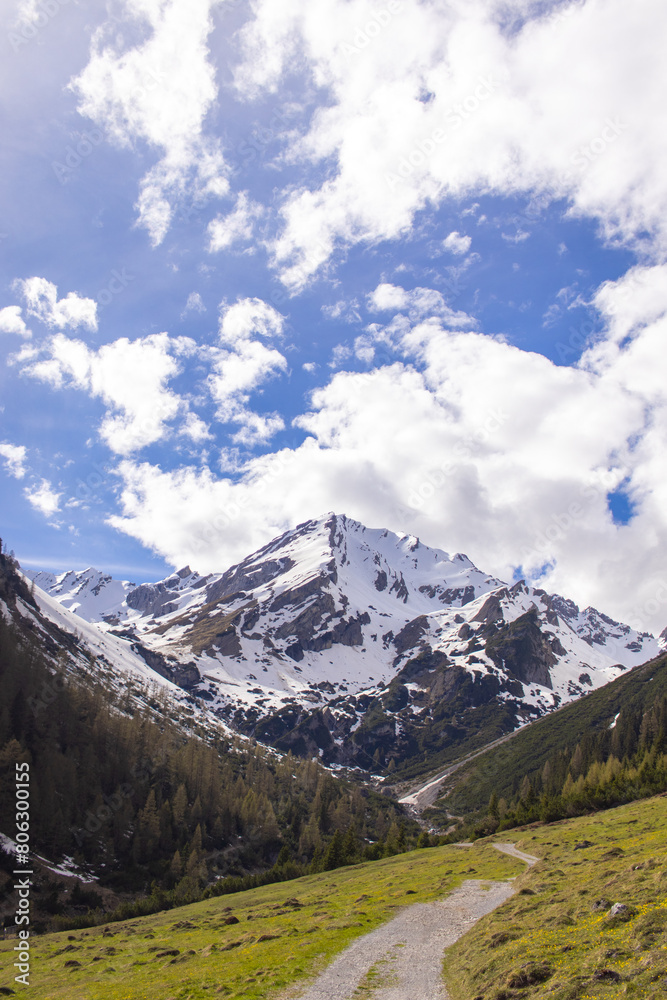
(350,845)
(176,866)
(334,856)
(179,808)
(283,856)
(577,762)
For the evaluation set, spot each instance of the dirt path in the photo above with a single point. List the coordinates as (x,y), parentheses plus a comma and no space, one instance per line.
(529,859)
(402,960)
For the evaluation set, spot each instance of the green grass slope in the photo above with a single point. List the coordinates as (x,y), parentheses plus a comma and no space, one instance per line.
(556,937)
(247,945)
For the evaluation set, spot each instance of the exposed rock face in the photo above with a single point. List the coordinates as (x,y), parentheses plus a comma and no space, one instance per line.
(295,596)
(557,646)
(410,634)
(455,683)
(347,632)
(358,644)
(185,675)
(450,595)
(304,734)
(400,589)
(420,667)
(151,600)
(307,622)
(246,576)
(523,651)
(227,642)
(155,599)
(491,610)
(99,587)
(562,606)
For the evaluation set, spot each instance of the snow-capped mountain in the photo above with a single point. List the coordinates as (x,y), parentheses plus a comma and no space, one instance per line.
(88,593)
(82,647)
(97,597)
(331,618)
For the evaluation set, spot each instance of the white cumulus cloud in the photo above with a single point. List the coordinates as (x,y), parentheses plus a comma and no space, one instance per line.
(131,377)
(14,458)
(244,364)
(247,317)
(456,243)
(194,303)
(11,321)
(41,298)
(237,226)
(43,498)
(239,371)
(500,116)
(416,303)
(159,91)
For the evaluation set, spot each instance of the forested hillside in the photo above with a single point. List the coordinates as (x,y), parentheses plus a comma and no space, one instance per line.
(135,797)
(605,749)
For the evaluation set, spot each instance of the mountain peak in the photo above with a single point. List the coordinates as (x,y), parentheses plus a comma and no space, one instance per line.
(332,620)
(334,612)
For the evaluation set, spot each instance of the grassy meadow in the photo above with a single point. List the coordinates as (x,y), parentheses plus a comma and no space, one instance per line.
(551,940)
(247,945)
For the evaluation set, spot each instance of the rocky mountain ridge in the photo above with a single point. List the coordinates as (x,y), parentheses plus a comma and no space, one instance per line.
(357,644)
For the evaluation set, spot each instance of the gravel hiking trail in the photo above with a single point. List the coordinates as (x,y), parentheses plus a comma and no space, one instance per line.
(402,959)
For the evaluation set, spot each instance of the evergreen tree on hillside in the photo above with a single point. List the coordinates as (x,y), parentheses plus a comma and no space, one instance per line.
(124,786)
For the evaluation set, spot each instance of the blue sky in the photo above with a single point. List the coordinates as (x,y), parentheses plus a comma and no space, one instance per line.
(265,260)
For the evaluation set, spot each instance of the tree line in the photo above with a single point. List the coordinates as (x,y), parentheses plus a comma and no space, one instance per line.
(607,767)
(154,810)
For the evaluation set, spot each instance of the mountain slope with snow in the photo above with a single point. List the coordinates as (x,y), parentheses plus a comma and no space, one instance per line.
(87,593)
(96,655)
(332,621)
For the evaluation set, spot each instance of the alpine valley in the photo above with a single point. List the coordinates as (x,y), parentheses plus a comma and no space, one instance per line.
(357,646)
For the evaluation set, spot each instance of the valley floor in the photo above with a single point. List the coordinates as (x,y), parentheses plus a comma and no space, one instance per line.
(250,945)
(588,921)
